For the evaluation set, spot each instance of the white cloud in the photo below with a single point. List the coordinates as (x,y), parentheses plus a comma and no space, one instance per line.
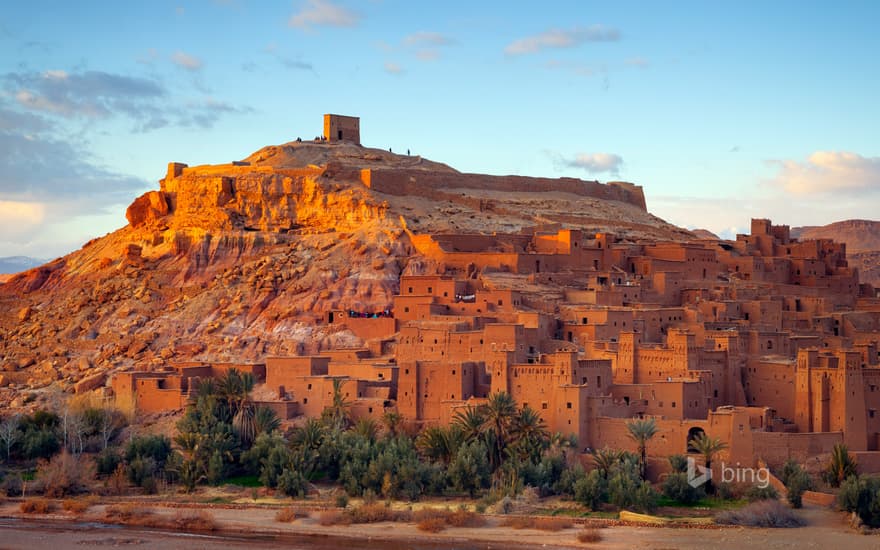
(422,38)
(393,68)
(829,172)
(323,13)
(562,38)
(186,61)
(596,163)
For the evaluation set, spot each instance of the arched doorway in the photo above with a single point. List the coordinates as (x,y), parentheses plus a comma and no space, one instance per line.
(694,433)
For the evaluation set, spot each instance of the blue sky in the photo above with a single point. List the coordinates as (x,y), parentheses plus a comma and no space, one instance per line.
(721,111)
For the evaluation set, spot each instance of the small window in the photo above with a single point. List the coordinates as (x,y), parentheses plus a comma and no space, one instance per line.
(430,290)
(305,400)
(410,290)
(568,405)
(544,405)
(310,386)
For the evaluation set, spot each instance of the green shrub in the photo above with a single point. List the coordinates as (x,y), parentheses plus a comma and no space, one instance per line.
(677,487)
(756,493)
(293,484)
(678,463)
(862,496)
(591,490)
(798,482)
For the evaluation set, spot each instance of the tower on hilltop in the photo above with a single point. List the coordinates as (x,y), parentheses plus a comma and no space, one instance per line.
(342,128)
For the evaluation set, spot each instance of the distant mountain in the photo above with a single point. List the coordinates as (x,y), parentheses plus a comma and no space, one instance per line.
(859,235)
(15,264)
(862,238)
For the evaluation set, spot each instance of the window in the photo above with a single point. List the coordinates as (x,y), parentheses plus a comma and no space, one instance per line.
(568,405)
(430,290)
(305,400)
(410,290)
(310,386)
(544,405)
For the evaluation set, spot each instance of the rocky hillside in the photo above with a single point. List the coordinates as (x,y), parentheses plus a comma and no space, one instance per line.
(241,260)
(862,238)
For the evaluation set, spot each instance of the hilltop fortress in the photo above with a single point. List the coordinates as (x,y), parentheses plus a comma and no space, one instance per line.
(424,290)
(767,342)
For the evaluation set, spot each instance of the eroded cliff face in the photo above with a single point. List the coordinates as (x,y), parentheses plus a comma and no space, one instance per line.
(239,261)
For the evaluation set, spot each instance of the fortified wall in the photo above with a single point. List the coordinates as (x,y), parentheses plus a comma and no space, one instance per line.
(427,184)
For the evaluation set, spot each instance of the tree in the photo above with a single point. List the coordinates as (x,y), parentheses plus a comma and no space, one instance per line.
(641,431)
(498,414)
(469,422)
(9,433)
(530,434)
(392,421)
(367,428)
(338,413)
(840,467)
(439,443)
(708,447)
(606,460)
(469,470)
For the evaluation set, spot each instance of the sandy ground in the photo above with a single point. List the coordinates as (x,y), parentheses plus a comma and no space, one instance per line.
(256,528)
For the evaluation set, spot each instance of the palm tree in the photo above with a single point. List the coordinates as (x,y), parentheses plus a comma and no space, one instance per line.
(498,413)
(311,435)
(265,421)
(470,422)
(367,428)
(338,413)
(840,467)
(392,421)
(440,443)
(642,430)
(708,447)
(530,433)
(606,460)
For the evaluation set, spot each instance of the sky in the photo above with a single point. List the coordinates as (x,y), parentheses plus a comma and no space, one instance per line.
(722,111)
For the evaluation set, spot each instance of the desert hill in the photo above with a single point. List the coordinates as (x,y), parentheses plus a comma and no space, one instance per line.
(862,238)
(242,260)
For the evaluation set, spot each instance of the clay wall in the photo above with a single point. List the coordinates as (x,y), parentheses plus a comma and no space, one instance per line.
(421,183)
(340,127)
(290,372)
(777,447)
(771,383)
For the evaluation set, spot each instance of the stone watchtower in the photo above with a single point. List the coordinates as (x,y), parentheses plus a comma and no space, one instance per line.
(342,128)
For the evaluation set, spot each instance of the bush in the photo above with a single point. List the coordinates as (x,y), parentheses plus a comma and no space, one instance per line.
(763,513)
(798,482)
(286,515)
(36,506)
(590,534)
(78,505)
(376,512)
(193,520)
(341,500)
(678,463)
(333,517)
(861,495)
(840,467)
(465,518)
(677,488)
(756,493)
(591,490)
(293,484)
(432,525)
(65,474)
(106,462)
(11,485)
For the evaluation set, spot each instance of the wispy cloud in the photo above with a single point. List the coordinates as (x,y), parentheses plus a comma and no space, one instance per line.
(318,13)
(562,38)
(828,172)
(427,38)
(293,63)
(186,61)
(393,68)
(638,62)
(596,163)
(94,95)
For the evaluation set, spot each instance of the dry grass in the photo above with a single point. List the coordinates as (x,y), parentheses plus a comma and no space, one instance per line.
(763,513)
(432,525)
(590,535)
(333,517)
(36,506)
(193,520)
(377,512)
(465,518)
(78,505)
(286,515)
(542,524)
